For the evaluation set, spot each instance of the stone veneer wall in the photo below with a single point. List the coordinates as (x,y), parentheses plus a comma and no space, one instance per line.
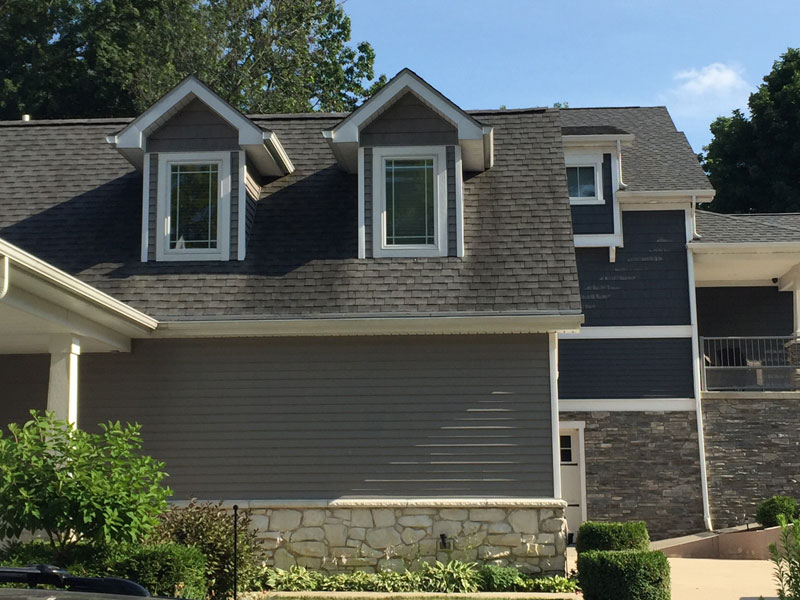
(338,535)
(643,466)
(752,452)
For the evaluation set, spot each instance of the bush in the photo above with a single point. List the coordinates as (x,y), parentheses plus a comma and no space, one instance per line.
(452,577)
(80,559)
(164,569)
(556,584)
(209,527)
(594,535)
(78,486)
(771,508)
(501,579)
(787,559)
(624,575)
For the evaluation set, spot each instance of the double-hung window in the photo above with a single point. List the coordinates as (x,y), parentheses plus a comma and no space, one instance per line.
(194,206)
(584,180)
(409,202)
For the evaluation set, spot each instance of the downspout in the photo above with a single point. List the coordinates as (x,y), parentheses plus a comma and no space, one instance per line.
(695,235)
(6,278)
(696,367)
(622,185)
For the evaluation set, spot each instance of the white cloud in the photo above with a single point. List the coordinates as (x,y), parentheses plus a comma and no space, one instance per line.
(700,95)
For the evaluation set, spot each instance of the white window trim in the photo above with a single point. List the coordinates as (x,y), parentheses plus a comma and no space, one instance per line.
(588,160)
(222,252)
(379,246)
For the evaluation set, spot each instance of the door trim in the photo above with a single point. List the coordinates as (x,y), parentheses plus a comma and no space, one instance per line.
(580,426)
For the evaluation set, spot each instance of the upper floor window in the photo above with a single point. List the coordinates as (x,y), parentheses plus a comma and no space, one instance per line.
(583,181)
(410,201)
(194,206)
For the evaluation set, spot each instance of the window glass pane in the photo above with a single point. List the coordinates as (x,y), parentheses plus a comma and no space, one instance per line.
(409,201)
(566,448)
(572,182)
(193,206)
(586,180)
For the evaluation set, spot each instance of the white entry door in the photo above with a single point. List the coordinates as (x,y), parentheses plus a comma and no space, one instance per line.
(573,477)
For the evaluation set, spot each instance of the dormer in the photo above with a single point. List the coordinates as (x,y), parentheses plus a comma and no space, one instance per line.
(202,162)
(410,146)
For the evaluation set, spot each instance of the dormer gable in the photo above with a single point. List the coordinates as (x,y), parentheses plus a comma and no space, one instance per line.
(200,159)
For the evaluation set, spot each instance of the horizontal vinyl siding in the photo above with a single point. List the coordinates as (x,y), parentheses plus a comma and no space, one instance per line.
(194,128)
(648,284)
(335,417)
(744,311)
(23,385)
(408,122)
(625,368)
(596,218)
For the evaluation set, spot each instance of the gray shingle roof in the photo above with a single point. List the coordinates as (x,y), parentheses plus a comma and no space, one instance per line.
(660,157)
(744,229)
(69,198)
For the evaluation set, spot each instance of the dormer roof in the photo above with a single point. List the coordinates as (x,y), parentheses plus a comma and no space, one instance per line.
(475,138)
(262,147)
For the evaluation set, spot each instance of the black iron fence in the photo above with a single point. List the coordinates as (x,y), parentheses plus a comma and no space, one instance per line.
(751,363)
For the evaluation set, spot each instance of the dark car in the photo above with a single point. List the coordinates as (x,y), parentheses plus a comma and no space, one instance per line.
(68,586)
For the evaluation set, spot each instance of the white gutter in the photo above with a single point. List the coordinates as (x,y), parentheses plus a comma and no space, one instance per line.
(744,247)
(6,277)
(622,185)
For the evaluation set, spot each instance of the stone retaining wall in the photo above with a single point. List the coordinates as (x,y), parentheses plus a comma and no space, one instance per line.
(752,452)
(643,466)
(529,534)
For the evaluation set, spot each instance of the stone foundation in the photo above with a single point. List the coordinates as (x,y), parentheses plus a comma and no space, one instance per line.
(372,535)
(643,466)
(752,452)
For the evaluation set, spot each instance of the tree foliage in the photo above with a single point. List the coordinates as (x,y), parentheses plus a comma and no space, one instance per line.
(78,486)
(91,58)
(754,163)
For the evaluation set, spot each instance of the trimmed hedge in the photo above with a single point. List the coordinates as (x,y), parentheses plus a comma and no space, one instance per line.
(165,569)
(769,509)
(624,575)
(596,535)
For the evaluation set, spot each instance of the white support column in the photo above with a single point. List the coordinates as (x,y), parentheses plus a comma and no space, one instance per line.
(796,304)
(62,391)
(554,426)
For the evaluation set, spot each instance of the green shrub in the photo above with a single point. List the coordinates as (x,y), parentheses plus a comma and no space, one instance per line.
(295,579)
(555,584)
(771,508)
(164,569)
(78,486)
(501,579)
(81,559)
(624,575)
(209,527)
(452,577)
(786,557)
(392,581)
(595,535)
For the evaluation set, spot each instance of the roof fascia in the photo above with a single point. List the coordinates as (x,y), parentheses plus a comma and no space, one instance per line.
(744,247)
(662,196)
(597,140)
(417,325)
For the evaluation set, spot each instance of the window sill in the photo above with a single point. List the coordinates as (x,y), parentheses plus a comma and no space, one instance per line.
(408,251)
(198,256)
(586,201)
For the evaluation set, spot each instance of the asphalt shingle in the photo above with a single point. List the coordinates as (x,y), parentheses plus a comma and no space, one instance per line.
(750,228)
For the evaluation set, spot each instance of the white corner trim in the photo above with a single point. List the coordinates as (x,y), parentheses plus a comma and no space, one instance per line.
(362,229)
(459,204)
(222,253)
(553,352)
(439,156)
(145,207)
(627,404)
(241,247)
(633,331)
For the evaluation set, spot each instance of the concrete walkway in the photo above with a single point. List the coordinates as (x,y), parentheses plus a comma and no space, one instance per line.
(714,579)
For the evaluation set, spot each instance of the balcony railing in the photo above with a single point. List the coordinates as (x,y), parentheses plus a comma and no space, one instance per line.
(751,363)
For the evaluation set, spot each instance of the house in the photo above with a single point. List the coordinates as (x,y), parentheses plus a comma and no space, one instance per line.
(408,331)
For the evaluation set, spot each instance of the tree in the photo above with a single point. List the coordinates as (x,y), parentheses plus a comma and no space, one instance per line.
(754,163)
(89,58)
(78,486)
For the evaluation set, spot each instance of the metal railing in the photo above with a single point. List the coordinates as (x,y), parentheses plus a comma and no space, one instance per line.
(751,363)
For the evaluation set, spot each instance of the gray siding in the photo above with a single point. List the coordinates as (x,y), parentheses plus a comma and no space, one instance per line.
(234,224)
(194,128)
(625,368)
(452,246)
(335,417)
(408,122)
(152,197)
(743,311)
(596,218)
(368,202)
(24,380)
(648,284)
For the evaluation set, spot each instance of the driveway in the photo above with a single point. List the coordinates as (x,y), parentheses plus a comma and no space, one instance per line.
(714,579)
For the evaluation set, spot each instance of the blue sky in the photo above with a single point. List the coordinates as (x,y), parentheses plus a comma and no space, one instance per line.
(701,59)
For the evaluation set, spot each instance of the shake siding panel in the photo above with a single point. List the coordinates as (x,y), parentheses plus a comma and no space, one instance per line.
(368,202)
(152,208)
(408,122)
(194,128)
(335,417)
